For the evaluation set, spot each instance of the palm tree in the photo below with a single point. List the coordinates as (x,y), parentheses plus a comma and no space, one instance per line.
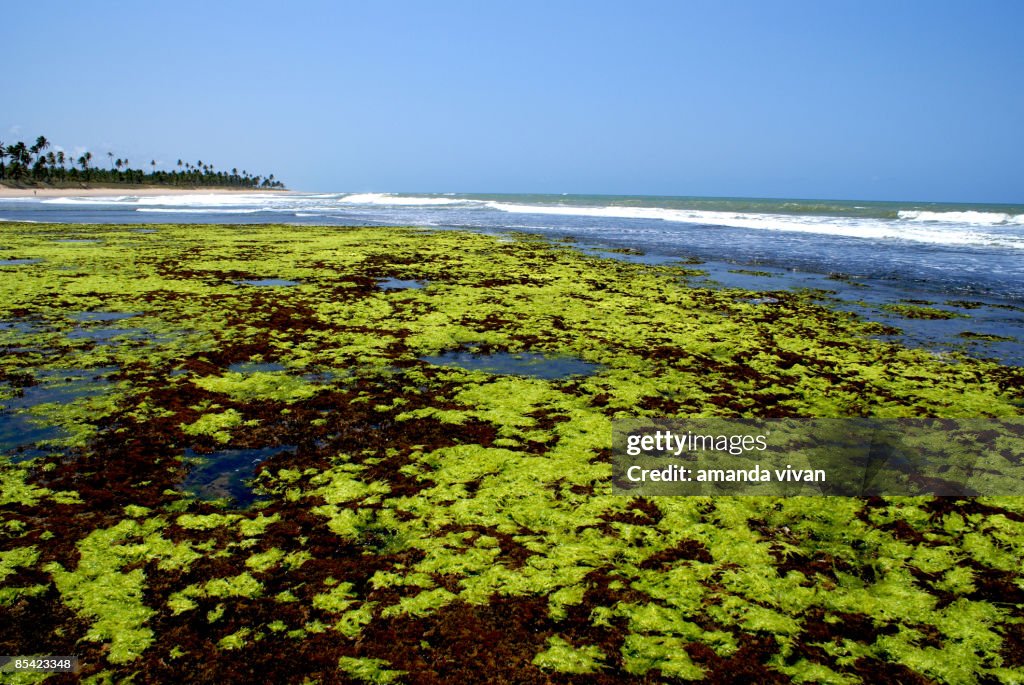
(84,162)
(37,150)
(41,144)
(20,158)
(19,161)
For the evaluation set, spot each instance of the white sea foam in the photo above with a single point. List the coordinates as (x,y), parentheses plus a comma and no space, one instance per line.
(830,225)
(204,210)
(390,199)
(182,200)
(109,200)
(970,217)
(208,200)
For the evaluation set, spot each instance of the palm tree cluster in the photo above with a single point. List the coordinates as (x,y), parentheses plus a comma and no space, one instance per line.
(33,164)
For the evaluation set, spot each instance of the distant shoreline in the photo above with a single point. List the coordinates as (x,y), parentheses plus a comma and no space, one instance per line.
(112,190)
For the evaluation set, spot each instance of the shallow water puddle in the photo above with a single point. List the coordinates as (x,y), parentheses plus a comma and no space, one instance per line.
(22,327)
(91,327)
(516,364)
(320,376)
(268,282)
(983,329)
(18,262)
(980,335)
(105,336)
(759,300)
(226,473)
(400,284)
(91,317)
(20,428)
(256,367)
(633,257)
(758,278)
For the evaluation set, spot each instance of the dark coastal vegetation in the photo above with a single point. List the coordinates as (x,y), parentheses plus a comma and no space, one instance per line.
(40,163)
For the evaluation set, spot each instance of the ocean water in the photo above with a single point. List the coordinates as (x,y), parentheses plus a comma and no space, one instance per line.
(868,254)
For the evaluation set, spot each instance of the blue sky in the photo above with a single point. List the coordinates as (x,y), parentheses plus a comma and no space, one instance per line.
(830,99)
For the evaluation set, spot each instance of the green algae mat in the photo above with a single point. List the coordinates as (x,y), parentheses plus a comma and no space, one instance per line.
(278,454)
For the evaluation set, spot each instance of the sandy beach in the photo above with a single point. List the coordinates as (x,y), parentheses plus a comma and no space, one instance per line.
(113,191)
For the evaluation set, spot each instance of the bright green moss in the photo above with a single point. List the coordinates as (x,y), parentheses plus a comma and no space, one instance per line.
(351,622)
(217,425)
(918,312)
(804,671)
(335,600)
(242,585)
(265,560)
(15,489)
(25,677)
(369,670)
(423,603)
(17,557)
(251,527)
(260,385)
(10,562)
(112,599)
(205,522)
(641,653)
(563,657)
(236,640)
